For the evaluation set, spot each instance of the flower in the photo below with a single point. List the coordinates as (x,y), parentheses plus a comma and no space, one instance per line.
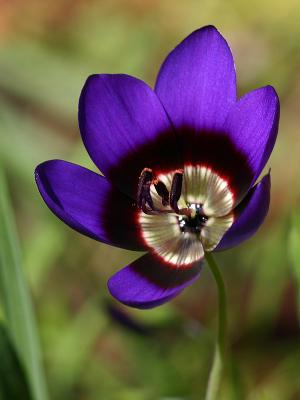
(180,165)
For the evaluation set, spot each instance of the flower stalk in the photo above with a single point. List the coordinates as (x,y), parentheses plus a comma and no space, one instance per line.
(220,347)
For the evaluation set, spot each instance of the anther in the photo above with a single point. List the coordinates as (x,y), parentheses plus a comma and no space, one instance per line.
(162,191)
(143,192)
(175,191)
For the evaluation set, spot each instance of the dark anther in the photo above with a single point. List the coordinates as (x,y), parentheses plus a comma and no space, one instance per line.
(176,188)
(162,191)
(143,192)
(144,199)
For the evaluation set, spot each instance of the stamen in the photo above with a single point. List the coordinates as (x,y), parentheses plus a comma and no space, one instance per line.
(143,192)
(144,198)
(176,188)
(162,191)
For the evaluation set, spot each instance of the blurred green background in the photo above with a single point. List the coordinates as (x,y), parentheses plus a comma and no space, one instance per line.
(92,347)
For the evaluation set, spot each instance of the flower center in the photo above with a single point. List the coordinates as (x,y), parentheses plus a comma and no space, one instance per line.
(193,223)
(184,212)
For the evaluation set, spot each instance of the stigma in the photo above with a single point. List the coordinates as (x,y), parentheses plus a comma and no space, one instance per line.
(194,222)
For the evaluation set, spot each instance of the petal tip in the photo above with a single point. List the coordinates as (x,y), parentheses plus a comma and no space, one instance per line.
(39,169)
(269,93)
(266,179)
(209,30)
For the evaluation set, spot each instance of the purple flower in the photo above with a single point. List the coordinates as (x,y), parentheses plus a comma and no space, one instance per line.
(180,165)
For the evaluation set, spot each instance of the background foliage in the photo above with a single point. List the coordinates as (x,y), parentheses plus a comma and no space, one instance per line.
(92,347)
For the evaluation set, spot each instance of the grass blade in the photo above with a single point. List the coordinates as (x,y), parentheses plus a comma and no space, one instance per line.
(13,382)
(294,252)
(16,299)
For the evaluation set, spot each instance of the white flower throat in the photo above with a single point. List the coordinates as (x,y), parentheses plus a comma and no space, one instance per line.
(184,213)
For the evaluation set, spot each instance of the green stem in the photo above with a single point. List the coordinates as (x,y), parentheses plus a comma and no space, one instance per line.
(218,361)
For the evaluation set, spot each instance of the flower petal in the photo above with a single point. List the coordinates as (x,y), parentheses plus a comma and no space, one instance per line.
(252,125)
(197,82)
(213,231)
(148,282)
(125,129)
(88,203)
(249,215)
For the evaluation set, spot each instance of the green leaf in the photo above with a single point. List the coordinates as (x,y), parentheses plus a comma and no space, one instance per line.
(294,251)
(16,301)
(13,382)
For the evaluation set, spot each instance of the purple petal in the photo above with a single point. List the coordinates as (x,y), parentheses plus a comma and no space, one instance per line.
(88,203)
(149,282)
(249,214)
(252,126)
(125,129)
(197,83)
